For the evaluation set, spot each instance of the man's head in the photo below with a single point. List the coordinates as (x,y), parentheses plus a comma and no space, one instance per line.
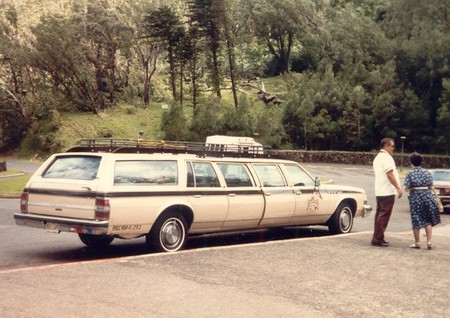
(388,144)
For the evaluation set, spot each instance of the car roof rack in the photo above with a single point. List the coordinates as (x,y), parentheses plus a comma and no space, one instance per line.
(176,147)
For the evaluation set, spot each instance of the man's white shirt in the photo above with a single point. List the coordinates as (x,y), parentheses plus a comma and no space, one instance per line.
(382,164)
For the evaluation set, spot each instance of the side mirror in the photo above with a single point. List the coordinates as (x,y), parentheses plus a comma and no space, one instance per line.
(317,182)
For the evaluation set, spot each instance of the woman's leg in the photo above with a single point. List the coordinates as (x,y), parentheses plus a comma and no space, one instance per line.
(416,233)
(428,232)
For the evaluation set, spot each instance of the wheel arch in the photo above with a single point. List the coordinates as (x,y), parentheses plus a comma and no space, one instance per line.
(184,210)
(352,204)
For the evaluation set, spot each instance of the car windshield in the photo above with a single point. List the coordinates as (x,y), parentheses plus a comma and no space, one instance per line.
(440,175)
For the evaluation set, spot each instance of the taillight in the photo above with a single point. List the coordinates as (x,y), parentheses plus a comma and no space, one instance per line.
(24,202)
(102,209)
(446,191)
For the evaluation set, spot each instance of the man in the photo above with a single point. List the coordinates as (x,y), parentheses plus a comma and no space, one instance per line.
(387,185)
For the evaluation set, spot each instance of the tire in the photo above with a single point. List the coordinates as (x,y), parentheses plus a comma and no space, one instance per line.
(341,221)
(96,240)
(169,233)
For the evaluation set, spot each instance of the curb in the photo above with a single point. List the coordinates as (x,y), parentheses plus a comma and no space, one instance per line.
(12,175)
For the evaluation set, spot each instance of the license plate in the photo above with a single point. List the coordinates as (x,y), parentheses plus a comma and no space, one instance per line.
(51,227)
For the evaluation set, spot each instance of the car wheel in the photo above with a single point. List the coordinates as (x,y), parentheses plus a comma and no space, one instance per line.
(342,219)
(96,240)
(169,233)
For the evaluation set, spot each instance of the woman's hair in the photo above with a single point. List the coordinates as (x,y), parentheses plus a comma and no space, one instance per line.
(416,159)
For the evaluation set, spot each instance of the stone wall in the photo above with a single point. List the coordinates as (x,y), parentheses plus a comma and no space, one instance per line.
(357,158)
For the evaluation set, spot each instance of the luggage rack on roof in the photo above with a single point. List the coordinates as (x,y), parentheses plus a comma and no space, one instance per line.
(162,146)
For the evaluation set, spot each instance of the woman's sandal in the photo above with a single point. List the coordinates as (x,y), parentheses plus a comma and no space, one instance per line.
(415,245)
(429,246)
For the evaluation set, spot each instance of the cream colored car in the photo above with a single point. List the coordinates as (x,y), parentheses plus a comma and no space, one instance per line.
(111,189)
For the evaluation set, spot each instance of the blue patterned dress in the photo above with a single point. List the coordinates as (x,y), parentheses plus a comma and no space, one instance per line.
(422,204)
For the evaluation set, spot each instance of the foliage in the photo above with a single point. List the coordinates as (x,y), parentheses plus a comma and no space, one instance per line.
(42,135)
(174,123)
(207,119)
(354,71)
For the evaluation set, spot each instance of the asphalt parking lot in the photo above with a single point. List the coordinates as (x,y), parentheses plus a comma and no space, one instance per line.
(332,276)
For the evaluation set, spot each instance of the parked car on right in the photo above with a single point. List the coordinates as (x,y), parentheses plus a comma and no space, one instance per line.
(441,181)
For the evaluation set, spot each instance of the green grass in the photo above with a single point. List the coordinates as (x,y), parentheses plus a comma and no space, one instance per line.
(124,121)
(13,186)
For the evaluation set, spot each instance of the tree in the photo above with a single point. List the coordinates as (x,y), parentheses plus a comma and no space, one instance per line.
(205,15)
(280,24)
(104,37)
(163,26)
(421,33)
(80,54)
(14,117)
(230,30)
(443,120)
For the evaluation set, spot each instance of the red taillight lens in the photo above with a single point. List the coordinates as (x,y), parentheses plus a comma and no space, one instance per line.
(446,191)
(102,209)
(24,202)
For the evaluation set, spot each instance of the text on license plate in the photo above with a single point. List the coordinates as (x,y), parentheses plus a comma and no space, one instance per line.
(51,227)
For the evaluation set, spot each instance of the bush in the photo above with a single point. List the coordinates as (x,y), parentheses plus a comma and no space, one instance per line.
(174,123)
(41,138)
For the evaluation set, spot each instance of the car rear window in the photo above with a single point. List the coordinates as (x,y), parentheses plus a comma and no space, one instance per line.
(146,172)
(73,167)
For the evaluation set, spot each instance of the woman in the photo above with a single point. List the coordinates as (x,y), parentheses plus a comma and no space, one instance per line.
(422,204)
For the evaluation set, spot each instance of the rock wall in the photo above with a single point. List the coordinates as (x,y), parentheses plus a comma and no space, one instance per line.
(357,158)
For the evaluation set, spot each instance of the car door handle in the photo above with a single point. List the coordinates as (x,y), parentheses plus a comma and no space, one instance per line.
(298,192)
(268,194)
(232,194)
(197,196)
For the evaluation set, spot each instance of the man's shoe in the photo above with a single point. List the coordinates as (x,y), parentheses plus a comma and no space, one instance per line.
(384,244)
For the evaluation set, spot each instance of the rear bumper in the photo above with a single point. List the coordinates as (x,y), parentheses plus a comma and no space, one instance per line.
(445,200)
(62,224)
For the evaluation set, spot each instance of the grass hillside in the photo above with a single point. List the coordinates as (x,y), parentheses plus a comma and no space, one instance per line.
(123,121)
(126,121)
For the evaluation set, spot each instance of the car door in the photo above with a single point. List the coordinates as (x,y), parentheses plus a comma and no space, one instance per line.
(245,199)
(307,197)
(208,200)
(279,197)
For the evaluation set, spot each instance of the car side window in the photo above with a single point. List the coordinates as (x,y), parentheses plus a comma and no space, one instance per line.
(190,175)
(204,175)
(235,174)
(270,175)
(145,172)
(298,176)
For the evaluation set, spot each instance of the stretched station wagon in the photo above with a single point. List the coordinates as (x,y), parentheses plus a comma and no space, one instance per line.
(109,188)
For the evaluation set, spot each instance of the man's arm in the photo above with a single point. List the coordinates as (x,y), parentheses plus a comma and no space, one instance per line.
(393,181)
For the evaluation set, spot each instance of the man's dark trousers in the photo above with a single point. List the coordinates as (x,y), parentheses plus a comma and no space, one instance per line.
(382,216)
